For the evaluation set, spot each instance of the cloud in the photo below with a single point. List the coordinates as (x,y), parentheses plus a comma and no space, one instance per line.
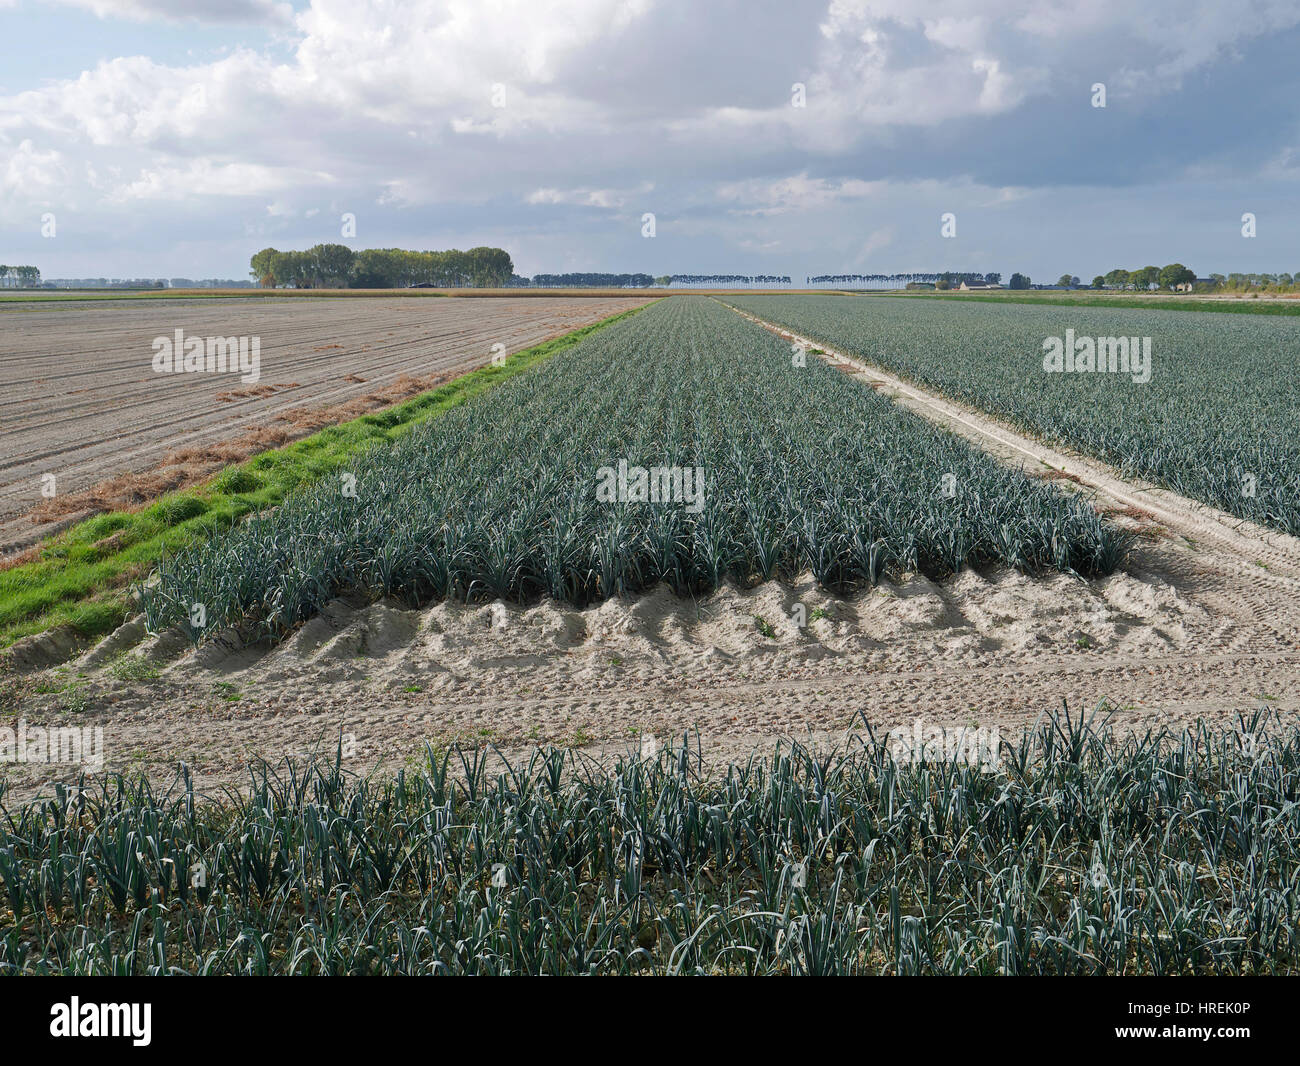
(27,170)
(202,178)
(879,239)
(387,92)
(607,199)
(273,12)
(388,108)
(797,193)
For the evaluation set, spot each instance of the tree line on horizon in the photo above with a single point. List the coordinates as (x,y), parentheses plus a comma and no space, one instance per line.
(338,266)
(19,277)
(1142,279)
(1167,277)
(942,280)
(587,279)
(383,268)
(596,279)
(920,277)
(726,279)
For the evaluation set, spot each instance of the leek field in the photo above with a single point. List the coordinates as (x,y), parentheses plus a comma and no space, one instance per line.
(1081,854)
(1219,421)
(803,469)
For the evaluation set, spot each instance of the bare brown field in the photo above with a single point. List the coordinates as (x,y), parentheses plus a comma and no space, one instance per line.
(86,297)
(79,398)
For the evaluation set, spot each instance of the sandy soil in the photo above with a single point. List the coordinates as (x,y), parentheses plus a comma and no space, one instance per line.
(79,398)
(1203,623)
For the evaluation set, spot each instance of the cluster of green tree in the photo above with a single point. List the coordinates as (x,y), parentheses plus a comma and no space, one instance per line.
(19,277)
(1143,279)
(1175,274)
(1019,281)
(338,266)
(591,280)
(1242,282)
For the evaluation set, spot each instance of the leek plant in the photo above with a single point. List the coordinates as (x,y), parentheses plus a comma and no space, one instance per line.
(1083,852)
(803,469)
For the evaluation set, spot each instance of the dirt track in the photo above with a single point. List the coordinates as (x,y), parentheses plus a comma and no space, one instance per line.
(79,398)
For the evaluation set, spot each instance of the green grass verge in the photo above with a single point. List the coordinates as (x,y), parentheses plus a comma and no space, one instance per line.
(81,577)
(1245,306)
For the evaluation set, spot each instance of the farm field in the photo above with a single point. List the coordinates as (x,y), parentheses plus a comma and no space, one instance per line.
(79,398)
(464,592)
(1219,420)
(473,634)
(1224,303)
(784,468)
(503,489)
(1077,857)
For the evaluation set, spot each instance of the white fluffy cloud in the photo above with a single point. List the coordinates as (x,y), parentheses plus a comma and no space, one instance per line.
(606,105)
(413,83)
(27,169)
(201,178)
(266,11)
(796,193)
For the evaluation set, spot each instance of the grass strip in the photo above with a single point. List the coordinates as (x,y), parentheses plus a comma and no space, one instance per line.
(80,577)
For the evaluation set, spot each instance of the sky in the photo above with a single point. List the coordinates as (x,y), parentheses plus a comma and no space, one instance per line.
(169,138)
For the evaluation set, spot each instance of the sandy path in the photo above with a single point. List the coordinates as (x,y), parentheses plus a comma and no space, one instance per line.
(1202,623)
(79,398)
